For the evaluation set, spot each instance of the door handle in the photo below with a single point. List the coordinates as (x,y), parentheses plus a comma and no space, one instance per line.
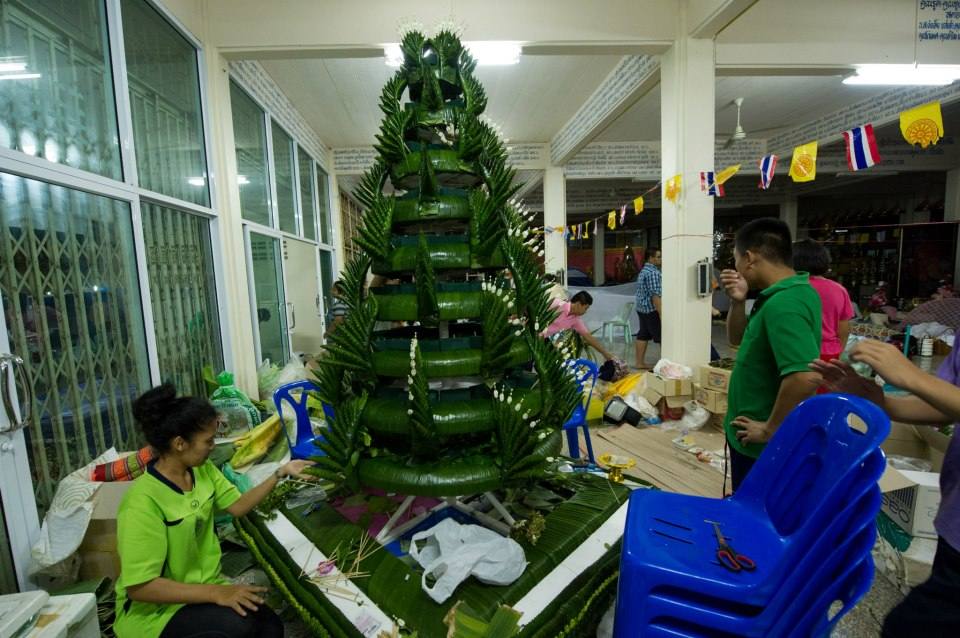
(293,316)
(10,363)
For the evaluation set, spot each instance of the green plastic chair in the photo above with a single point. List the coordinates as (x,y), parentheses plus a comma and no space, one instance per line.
(621,321)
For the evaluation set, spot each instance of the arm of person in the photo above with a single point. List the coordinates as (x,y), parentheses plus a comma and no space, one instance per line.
(657,305)
(794,388)
(594,343)
(843,333)
(737,289)
(165,591)
(251,498)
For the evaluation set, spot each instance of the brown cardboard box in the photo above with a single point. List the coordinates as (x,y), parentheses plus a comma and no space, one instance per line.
(669,387)
(911,499)
(652,396)
(98,550)
(716,379)
(671,408)
(713,401)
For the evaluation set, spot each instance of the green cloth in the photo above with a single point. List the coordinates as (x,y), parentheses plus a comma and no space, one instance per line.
(165,532)
(782,337)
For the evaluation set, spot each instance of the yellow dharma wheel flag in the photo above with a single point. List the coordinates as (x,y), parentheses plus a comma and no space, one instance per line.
(922,125)
(672,188)
(803,167)
(611,220)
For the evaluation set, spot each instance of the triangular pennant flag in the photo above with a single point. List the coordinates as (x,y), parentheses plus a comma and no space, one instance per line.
(611,220)
(573,231)
(709,184)
(586,230)
(727,173)
(672,188)
(596,227)
(638,205)
(768,165)
(922,125)
(861,147)
(803,167)
(560,229)
(547,230)
(623,214)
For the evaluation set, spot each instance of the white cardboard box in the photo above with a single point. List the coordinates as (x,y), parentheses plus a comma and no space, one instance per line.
(911,499)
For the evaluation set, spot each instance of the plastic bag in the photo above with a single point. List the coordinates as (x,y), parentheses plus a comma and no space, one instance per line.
(453,552)
(239,414)
(274,377)
(908,463)
(670,370)
(695,416)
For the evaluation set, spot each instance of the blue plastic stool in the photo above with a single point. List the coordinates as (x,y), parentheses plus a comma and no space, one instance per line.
(304,446)
(584,371)
(816,481)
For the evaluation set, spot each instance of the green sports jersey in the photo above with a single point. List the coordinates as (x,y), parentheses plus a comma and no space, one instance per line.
(163,531)
(782,337)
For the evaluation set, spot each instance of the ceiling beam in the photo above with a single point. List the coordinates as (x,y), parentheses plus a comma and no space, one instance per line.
(631,79)
(707,18)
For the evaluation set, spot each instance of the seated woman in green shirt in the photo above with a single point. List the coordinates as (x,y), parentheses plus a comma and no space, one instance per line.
(170,583)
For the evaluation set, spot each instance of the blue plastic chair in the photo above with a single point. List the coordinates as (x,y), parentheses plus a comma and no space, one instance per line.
(584,371)
(808,484)
(303,447)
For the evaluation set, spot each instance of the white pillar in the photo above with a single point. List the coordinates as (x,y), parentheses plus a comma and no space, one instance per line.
(599,264)
(788,214)
(951,212)
(554,215)
(687,125)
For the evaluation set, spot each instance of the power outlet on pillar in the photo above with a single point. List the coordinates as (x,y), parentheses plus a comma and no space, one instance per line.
(704,278)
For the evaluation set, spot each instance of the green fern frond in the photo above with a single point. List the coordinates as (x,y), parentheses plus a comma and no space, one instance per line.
(470,135)
(354,281)
(370,188)
(349,344)
(429,184)
(423,434)
(428,308)
(345,440)
(329,378)
(392,94)
(374,234)
(392,147)
(412,47)
(497,330)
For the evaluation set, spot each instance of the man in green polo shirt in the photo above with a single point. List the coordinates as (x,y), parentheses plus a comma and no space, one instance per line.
(777,342)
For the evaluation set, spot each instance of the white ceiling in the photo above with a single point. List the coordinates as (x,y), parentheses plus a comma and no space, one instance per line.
(530,100)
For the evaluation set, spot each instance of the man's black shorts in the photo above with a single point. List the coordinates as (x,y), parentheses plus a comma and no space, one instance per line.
(649,326)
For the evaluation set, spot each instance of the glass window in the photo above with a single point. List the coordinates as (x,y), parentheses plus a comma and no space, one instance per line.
(307,201)
(270,300)
(286,189)
(71,301)
(56,93)
(183,296)
(250,140)
(165,105)
(326,233)
(326,281)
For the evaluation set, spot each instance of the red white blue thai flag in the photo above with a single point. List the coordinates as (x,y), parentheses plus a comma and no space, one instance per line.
(709,185)
(767,167)
(861,147)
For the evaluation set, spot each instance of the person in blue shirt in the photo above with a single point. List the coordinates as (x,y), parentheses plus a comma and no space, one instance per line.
(649,293)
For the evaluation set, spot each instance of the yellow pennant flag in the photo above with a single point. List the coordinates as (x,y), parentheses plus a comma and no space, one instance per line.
(726,174)
(611,220)
(922,125)
(586,230)
(803,168)
(638,205)
(672,188)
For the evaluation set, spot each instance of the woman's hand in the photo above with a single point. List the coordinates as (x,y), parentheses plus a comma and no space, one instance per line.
(838,376)
(239,598)
(735,285)
(888,362)
(295,468)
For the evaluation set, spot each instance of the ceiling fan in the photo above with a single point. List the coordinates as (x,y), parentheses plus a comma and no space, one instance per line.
(738,133)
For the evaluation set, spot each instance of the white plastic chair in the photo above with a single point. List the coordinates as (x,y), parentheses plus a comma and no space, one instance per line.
(621,321)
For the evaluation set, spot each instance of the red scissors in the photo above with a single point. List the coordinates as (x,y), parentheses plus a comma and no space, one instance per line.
(728,556)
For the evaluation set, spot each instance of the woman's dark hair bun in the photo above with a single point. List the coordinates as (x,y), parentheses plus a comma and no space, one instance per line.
(163,415)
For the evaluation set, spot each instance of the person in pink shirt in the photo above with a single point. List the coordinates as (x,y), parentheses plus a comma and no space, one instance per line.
(812,257)
(569,319)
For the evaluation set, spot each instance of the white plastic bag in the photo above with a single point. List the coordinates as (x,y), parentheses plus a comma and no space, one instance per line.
(695,416)
(452,552)
(670,370)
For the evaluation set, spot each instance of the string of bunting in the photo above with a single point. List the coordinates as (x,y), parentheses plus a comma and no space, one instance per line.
(922,125)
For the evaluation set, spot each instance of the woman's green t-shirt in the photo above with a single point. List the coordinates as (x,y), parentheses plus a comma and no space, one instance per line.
(163,531)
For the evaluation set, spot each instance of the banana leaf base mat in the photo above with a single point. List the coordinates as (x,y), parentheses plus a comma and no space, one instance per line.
(569,582)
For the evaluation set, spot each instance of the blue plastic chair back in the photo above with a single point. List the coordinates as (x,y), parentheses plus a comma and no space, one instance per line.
(585,372)
(796,479)
(303,446)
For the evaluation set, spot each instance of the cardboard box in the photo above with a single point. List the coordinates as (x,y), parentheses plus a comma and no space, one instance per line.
(669,387)
(98,550)
(671,408)
(911,500)
(713,401)
(716,379)
(652,396)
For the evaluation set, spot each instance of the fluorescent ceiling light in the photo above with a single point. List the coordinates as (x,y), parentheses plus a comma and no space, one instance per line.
(19,76)
(490,53)
(10,66)
(905,74)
